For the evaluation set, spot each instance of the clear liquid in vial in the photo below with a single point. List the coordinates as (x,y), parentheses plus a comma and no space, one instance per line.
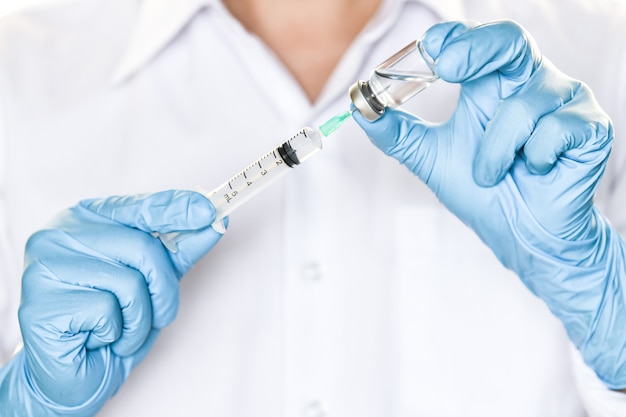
(393,88)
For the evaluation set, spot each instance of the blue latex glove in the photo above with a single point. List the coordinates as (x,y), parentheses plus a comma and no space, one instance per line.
(97,287)
(518,117)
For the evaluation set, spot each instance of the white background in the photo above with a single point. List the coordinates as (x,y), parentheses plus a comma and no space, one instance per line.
(9,5)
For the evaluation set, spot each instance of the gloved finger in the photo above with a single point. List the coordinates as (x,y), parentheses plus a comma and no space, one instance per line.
(103,238)
(56,325)
(516,118)
(437,37)
(578,131)
(503,47)
(48,301)
(400,135)
(57,329)
(581,146)
(140,355)
(163,212)
(58,259)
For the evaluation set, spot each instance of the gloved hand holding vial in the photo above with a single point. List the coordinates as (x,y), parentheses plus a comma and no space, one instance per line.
(519,162)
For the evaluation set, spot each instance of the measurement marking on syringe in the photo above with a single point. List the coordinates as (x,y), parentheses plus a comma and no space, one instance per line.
(264,171)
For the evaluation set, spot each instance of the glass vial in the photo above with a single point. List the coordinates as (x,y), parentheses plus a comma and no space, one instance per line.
(394,81)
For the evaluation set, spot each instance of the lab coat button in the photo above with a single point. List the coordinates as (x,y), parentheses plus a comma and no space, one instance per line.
(312,271)
(315,409)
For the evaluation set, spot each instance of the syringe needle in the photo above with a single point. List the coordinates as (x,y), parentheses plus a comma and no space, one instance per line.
(334,123)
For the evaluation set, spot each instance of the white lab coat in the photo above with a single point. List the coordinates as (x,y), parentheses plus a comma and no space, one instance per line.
(344,290)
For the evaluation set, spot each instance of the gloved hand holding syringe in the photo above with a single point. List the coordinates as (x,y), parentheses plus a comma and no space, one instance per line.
(391,83)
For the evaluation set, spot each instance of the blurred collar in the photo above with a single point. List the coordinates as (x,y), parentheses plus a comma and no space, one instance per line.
(159,21)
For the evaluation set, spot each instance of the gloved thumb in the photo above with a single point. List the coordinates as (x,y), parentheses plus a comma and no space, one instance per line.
(162,212)
(178,212)
(401,136)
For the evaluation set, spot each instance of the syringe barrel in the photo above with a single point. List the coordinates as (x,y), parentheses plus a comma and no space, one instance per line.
(264,171)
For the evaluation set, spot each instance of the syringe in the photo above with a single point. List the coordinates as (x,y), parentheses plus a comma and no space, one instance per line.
(261,173)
